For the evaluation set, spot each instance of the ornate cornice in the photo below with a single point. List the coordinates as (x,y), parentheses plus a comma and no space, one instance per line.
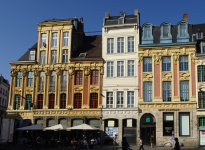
(168,106)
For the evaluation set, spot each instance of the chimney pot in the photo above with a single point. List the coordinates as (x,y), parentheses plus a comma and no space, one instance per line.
(185,16)
(107,15)
(136,12)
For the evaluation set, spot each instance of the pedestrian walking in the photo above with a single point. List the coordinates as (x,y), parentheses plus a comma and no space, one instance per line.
(176,147)
(125,144)
(173,140)
(38,141)
(114,141)
(152,141)
(141,144)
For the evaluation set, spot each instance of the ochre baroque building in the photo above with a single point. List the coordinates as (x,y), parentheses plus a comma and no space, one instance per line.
(59,79)
(167,86)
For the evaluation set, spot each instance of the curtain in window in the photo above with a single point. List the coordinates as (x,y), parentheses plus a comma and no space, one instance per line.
(65,38)
(93,100)
(17,102)
(40,101)
(63,101)
(79,77)
(94,77)
(28,102)
(147,64)
(30,79)
(184,90)
(110,68)
(19,79)
(77,100)
(147,91)
(183,123)
(51,101)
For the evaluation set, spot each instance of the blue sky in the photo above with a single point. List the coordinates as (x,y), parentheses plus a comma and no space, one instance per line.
(19,18)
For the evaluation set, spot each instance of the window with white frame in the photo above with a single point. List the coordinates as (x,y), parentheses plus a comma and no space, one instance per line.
(167,91)
(109,100)
(184,123)
(199,35)
(130,44)
(147,32)
(183,63)
(166,63)
(130,99)
(130,68)
(65,56)
(110,69)
(147,64)
(120,45)
(53,57)
(121,21)
(65,38)
(54,39)
(43,40)
(120,97)
(202,47)
(42,57)
(30,79)
(110,45)
(120,68)
(19,79)
(41,81)
(32,55)
(184,90)
(147,91)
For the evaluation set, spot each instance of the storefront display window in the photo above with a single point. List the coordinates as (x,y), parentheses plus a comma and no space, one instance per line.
(183,124)
(168,124)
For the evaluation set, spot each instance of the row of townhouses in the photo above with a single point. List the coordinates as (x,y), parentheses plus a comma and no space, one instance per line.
(133,80)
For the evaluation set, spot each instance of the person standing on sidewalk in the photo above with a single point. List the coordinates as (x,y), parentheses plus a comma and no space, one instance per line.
(125,144)
(152,141)
(114,141)
(38,141)
(141,144)
(173,140)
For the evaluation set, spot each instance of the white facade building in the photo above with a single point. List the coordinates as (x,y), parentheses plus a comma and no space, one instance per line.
(120,39)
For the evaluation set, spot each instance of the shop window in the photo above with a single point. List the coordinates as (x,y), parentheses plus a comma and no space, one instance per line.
(63,101)
(63,122)
(94,77)
(19,79)
(30,79)
(110,45)
(184,90)
(201,73)
(79,77)
(147,64)
(167,91)
(109,99)
(94,100)
(168,124)
(51,101)
(95,123)
(184,124)
(166,63)
(50,122)
(183,63)
(39,122)
(147,91)
(40,101)
(201,96)
(17,102)
(77,100)
(28,102)
(202,122)
(77,122)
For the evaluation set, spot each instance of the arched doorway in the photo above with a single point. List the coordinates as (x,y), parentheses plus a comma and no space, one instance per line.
(147,128)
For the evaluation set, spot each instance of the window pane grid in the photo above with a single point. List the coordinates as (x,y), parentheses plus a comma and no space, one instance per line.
(64,81)
(167,92)
(19,79)
(147,64)
(77,100)
(201,73)
(79,77)
(166,63)
(130,44)
(63,101)
(28,101)
(147,32)
(202,122)
(65,39)
(53,57)
(52,81)
(120,97)
(120,68)
(65,56)
(110,69)
(120,45)
(51,101)
(130,100)
(42,57)
(30,79)
(40,101)
(184,90)
(43,40)
(110,45)
(201,99)
(55,39)
(17,102)
(183,63)
(94,77)
(131,68)
(147,91)
(93,100)
(110,100)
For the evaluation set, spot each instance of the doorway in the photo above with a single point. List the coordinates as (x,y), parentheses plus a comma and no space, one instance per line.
(147,128)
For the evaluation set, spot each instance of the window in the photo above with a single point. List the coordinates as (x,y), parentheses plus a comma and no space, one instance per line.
(183,35)
(199,35)
(166,63)
(63,101)
(19,79)
(109,99)
(51,101)
(110,68)
(77,100)
(17,102)
(120,97)
(120,45)
(30,79)
(130,67)
(183,63)
(64,81)
(201,73)
(110,45)
(43,40)
(53,57)
(183,30)
(28,102)
(168,124)
(201,96)
(184,90)
(52,81)
(79,77)
(202,122)
(32,55)
(41,81)
(147,32)
(167,92)
(165,31)
(183,124)
(147,91)
(121,21)
(42,57)
(120,68)
(202,46)
(40,101)
(94,77)
(130,44)
(93,100)
(65,56)
(166,36)
(65,38)
(147,37)
(54,39)
(147,64)
(130,100)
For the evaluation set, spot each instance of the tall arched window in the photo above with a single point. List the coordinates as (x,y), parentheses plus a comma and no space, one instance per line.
(28,101)
(94,77)
(79,77)
(17,102)
(40,101)
(77,100)
(51,101)
(201,73)
(63,101)
(93,100)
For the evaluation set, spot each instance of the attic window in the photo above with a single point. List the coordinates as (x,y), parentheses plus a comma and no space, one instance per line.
(199,35)
(32,55)
(121,21)
(82,55)
(122,14)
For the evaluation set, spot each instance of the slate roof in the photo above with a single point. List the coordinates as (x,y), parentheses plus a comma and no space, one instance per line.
(113,20)
(92,46)
(25,57)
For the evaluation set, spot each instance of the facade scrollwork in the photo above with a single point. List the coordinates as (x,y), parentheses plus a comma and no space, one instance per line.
(193,57)
(58,71)
(101,70)
(184,76)
(86,70)
(71,71)
(147,77)
(140,59)
(176,57)
(167,76)
(201,87)
(157,58)
(13,73)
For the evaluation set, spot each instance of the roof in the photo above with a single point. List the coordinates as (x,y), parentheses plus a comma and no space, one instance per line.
(92,46)
(25,57)
(113,20)
(58,20)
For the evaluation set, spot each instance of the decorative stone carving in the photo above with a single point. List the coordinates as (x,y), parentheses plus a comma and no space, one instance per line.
(193,57)
(147,77)
(71,71)
(78,65)
(157,58)
(77,89)
(167,76)
(86,71)
(58,71)
(166,52)
(94,88)
(24,71)
(51,67)
(101,70)
(140,59)
(36,72)
(176,57)
(91,112)
(78,112)
(13,72)
(183,51)
(147,53)
(94,65)
(47,71)
(201,87)
(184,76)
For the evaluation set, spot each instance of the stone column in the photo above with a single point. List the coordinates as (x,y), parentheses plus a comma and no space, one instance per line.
(119,139)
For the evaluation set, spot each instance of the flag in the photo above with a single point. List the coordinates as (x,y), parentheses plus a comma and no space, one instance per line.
(44,44)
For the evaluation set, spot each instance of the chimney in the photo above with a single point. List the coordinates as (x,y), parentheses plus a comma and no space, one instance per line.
(81,19)
(107,15)
(185,16)
(136,12)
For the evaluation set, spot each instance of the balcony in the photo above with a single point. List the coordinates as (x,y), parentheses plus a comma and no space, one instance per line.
(41,87)
(52,87)
(63,87)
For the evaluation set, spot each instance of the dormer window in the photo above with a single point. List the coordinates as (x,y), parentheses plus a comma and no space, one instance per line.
(199,35)
(166,36)
(32,55)
(147,37)
(183,35)
(121,21)
(122,14)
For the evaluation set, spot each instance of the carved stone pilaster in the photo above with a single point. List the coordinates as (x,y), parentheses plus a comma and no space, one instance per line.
(101,70)
(140,59)
(193,57)
(24,71)
(47,71)
(157,58)
(176,57)
(58,71)
(13,73)
(86,70)
(71,71)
